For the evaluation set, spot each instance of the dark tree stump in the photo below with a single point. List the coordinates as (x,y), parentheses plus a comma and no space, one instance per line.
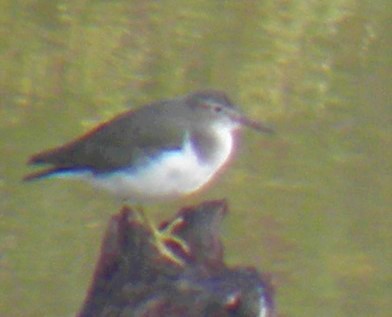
(132,279)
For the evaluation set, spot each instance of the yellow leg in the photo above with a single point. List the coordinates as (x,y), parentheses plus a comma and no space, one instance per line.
(161,237)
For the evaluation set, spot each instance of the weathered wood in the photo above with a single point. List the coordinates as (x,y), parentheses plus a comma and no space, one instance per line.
(132,279)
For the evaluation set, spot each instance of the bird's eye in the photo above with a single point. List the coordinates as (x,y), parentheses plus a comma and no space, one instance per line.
(217,108)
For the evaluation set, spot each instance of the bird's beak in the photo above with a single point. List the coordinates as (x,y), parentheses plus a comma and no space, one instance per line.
(258,126)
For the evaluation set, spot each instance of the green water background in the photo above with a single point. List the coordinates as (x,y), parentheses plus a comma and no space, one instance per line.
(311,205)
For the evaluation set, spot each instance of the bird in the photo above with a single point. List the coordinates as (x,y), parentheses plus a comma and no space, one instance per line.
(161,151)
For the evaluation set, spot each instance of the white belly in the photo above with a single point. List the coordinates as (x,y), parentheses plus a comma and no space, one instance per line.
(176,174)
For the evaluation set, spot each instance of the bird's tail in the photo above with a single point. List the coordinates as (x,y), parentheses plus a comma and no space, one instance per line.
(56,157)
(41,174)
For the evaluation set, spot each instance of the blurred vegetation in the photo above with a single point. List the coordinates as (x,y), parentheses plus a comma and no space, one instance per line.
(316,211)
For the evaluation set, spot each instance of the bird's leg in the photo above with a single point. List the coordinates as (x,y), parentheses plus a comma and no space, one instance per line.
(168,232)
(162,237)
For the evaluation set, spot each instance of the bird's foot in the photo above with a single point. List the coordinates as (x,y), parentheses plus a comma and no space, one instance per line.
(163,239)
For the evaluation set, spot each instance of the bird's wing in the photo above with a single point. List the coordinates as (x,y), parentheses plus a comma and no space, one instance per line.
(125,141)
